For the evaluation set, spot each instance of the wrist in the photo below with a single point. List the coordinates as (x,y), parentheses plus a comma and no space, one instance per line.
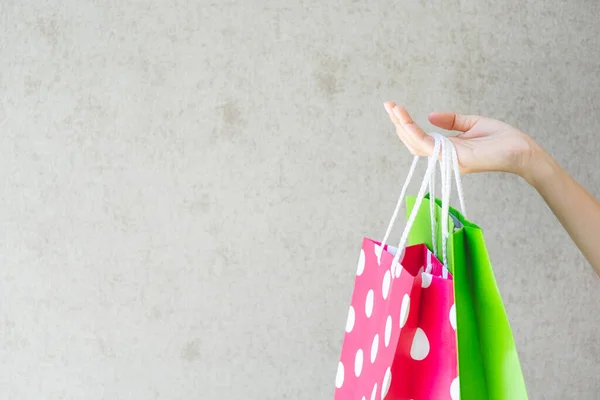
(542,168)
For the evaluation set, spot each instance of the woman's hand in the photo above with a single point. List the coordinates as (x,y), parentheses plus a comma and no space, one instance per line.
(485,144)
(482,145)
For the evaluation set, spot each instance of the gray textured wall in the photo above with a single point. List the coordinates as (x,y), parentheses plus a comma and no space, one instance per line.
(186,184)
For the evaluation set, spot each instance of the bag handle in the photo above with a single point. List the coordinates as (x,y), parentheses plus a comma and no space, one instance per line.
(448,163)
(459,188)
(431,165)
(432,218)
(411,171)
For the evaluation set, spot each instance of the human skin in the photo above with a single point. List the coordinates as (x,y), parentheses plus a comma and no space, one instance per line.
(488,145)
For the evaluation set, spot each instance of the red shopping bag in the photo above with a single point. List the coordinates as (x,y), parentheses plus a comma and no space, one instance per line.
(400,340)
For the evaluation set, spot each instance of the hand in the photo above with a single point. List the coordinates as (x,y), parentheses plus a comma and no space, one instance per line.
(483,145)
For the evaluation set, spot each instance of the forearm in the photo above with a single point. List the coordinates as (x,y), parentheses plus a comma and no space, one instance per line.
(576,209)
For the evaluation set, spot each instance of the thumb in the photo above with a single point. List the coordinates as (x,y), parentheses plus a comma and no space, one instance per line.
(453,121)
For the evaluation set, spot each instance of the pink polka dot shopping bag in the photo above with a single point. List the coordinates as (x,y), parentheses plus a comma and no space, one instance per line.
(402,339)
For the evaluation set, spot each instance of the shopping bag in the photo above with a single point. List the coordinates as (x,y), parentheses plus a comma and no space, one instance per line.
(489,365)
(400,336)
(400,340)
(426,354)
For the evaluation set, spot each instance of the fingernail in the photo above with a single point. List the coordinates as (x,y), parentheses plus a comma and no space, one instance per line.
(397,112)
(388,108)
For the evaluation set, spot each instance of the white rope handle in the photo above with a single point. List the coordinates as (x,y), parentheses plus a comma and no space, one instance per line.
(432,211)
(459,189)
(429,267)
(445,152)
(446,204)
(413,215)
(397,209)
(448,164)
(446,191)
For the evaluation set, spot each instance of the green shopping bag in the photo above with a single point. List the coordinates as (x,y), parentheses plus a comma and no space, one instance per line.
(488,363)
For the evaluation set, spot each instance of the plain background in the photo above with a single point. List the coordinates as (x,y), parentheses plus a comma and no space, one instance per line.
(186,184)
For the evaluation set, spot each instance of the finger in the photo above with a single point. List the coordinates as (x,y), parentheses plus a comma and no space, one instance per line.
(453,121)
(409,141)
(389,106)
(421,142)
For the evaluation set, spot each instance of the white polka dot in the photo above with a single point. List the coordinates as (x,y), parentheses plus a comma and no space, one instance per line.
(339,377)
(385,287)
(374,348)
(361,263)
(455,389)
(387,380)
(378,250)
(429,266)
(452,316)
(358,363)
(388,330)
(350,320)
(369,303)
(374,392)
(364,398)
(398,270)
(404,310)
(420,345)
(426,280)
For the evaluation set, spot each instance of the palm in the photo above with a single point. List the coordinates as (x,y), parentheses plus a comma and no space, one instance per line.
(492,145)
(483,144)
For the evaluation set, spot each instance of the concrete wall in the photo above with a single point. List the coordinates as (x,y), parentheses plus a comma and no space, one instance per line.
(186,184)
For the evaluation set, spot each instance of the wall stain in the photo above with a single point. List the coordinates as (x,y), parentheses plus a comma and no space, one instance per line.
(32,85)
(191,351)
(329,165)
(231,113)
(202,203)
(105,348)
(50,30)
(156,313)
(231,122)
(327,77)
(328,84)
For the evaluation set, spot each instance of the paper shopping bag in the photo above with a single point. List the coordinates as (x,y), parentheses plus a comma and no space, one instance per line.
(400,340)
(488,361)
